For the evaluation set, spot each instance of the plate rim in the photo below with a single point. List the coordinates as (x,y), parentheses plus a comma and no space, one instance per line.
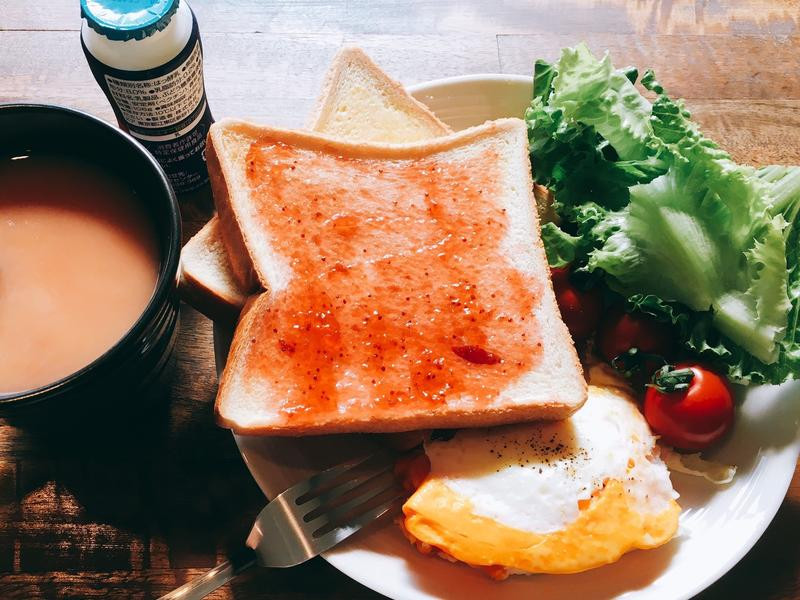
(418,90)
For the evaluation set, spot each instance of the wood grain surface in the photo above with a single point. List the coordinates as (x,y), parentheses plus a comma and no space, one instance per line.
(140,509)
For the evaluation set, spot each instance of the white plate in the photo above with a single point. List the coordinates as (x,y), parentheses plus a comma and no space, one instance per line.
(718,525)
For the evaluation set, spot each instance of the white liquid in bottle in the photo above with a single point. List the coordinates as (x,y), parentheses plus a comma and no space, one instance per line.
(147,57)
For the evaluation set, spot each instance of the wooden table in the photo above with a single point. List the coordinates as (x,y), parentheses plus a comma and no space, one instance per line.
(139,515)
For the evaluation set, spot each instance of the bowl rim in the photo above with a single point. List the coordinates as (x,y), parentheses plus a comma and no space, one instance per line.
(479,78)
(167,271)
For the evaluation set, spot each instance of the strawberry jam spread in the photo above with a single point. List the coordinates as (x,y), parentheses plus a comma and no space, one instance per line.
(400,298)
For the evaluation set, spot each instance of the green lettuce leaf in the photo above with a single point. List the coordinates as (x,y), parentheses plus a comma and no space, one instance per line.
(699,336)
(720,251)
(673,223)
(783,190)
(592,92)
(708,235)
(561,248)
(543,74)
(572,159)
(594,225)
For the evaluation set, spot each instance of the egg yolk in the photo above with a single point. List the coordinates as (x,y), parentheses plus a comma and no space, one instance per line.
(609,525)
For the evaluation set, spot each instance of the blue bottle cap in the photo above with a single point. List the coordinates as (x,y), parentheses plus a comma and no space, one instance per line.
(128,19)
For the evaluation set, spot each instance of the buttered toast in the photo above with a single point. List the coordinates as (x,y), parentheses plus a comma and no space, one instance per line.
(359,102)
(408,286)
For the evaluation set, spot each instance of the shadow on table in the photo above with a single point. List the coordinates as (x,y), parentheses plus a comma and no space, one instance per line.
(159,499)
(150,477)
(163,490)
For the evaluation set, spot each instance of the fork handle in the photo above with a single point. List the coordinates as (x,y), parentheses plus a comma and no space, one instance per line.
(202,586)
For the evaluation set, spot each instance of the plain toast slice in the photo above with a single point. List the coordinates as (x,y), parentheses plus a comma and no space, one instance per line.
(206,281)
(359,102)
(408,286)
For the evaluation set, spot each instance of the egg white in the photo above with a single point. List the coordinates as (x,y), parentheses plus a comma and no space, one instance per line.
(531,477)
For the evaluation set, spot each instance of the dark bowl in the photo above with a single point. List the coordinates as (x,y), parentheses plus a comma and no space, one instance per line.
(127,375)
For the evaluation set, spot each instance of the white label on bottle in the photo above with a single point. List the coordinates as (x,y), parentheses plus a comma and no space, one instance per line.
(163,101)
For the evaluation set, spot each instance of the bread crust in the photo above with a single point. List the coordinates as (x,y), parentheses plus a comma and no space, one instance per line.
(238,255)
(564,396)
(316,140)
(453,419)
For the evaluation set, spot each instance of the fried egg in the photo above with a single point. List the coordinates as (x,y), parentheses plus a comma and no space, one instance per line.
(557,497)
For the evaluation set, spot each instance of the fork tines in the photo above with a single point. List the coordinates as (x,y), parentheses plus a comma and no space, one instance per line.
(318,513)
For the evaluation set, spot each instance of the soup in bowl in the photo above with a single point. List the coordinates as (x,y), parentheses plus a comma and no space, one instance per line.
(89,246)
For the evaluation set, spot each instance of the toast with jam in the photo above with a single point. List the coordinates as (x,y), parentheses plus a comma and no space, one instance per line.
(359,102)
(407,284)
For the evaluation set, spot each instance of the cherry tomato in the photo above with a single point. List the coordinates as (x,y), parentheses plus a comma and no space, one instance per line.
(621,331)
(580,309)
(693,418)
(558,274)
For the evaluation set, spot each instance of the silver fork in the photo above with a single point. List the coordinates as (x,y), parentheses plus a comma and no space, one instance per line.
(308,519)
